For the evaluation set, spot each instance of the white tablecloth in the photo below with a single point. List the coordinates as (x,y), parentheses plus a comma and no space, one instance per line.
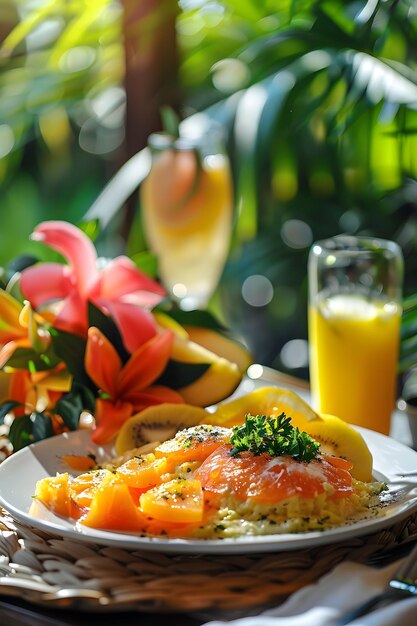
(347,585)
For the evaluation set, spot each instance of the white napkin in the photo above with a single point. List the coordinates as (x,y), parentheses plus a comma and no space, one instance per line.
(343,588)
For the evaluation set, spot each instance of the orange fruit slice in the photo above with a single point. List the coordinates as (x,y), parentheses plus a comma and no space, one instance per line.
(53,492)
(82,488)
(192,444)
(113,508)
(179,500)
(142,472)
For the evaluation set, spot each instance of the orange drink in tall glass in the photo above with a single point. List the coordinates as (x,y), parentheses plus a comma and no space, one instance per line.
(354,327)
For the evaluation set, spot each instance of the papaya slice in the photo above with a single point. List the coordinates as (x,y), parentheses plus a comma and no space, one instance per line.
(53,492)
(179,500)
(78,462)
(113,508)
(192,444)
(221,345)
(82,488)
(142,472)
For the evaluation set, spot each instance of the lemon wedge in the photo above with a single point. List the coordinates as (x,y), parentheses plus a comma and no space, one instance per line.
(270,401)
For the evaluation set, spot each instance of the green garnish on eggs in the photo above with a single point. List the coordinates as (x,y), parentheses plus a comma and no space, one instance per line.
(275,436)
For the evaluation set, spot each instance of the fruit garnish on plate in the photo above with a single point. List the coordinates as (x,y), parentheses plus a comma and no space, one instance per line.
(79,462)
(271,401)
(192,444)
(156,424)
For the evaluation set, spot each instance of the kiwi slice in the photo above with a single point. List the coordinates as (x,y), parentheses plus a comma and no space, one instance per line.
(156,424)
(340,439)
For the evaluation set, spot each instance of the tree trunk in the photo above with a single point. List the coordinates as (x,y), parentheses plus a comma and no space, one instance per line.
(151,66)
(151,78)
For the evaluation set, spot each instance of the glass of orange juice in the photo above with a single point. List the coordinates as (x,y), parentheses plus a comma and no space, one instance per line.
(187,212)
(354,324)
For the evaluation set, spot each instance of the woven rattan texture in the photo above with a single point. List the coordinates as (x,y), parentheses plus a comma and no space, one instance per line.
(57,572)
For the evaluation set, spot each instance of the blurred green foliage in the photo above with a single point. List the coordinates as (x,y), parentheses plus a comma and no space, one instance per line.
(61,110)
(322,130)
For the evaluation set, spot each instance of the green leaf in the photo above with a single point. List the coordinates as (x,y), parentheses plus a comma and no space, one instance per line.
(41,426)
(71,349)
(408,328)
(21,262)
(70,407)
(274,436)
(27,358)
(20,432)
(178,375)
(247,9)
(410,302)
(170,121)
(147,262)
(108,327)
(202,319)
(91,228)
(88,399)
(333,27)
(6,407)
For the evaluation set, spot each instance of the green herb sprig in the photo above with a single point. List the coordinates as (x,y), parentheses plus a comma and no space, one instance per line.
(276,436)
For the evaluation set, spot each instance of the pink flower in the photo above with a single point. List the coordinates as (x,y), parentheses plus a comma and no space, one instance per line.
(119,289)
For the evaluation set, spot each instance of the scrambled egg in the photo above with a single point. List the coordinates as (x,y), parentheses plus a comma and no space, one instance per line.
(198,485)
(227,515)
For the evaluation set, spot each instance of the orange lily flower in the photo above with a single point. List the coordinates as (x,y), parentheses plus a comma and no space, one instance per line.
(126,389)
(10,327)
(38,391)
(19,327)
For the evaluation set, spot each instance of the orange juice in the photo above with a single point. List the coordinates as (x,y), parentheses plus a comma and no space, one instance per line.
(187,206)
(354,343)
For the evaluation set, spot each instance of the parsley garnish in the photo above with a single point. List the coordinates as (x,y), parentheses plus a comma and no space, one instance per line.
(276,436)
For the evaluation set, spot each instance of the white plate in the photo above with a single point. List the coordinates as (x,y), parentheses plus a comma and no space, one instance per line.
(19,473)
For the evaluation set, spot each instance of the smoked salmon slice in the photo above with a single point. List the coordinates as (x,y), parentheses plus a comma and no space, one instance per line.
(267,480)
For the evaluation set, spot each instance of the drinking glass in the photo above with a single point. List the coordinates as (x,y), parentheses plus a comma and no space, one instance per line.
(354,322)
(187,210)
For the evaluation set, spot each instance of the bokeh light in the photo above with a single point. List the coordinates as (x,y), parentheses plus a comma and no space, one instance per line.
(229,75)
(349,221)
(296,234)
(257,290)
(294,354)
(77,59)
